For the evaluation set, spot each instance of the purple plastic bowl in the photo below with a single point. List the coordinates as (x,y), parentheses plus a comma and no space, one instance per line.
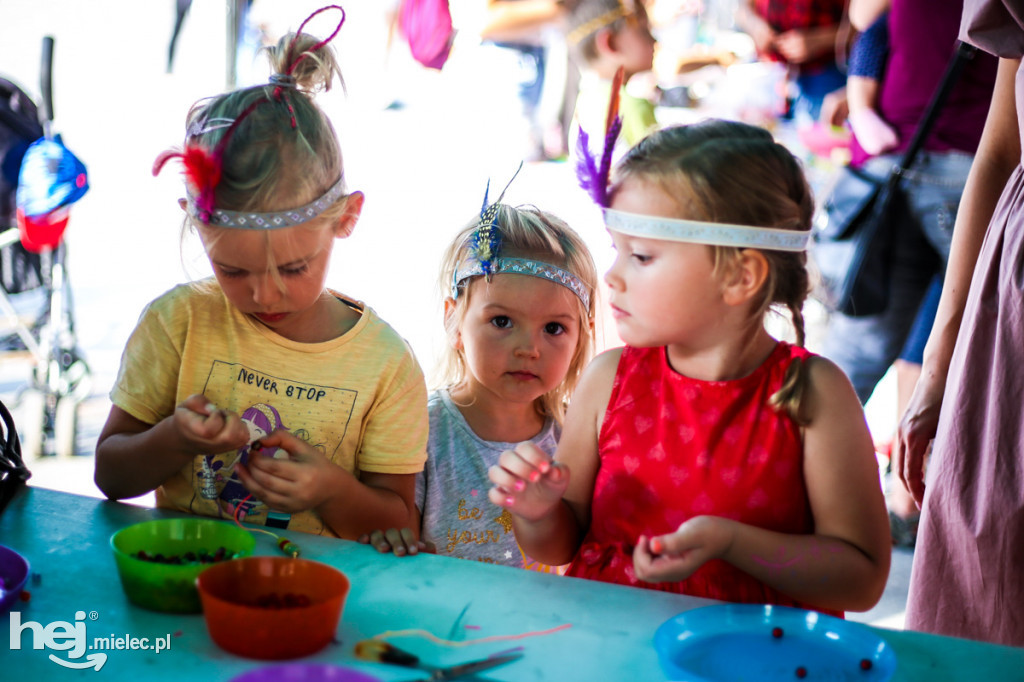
(305,672)
(13,576)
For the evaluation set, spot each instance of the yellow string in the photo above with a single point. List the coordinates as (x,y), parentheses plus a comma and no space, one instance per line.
(468,642)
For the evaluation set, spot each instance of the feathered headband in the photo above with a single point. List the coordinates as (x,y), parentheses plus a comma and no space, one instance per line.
(204,166)
(625,8)
(484,259)
(592,175)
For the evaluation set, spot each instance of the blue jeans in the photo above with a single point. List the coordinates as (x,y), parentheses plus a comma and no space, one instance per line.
(813,87)
(913,349)
(865,347)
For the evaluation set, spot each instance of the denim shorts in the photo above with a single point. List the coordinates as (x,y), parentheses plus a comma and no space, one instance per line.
(865,347)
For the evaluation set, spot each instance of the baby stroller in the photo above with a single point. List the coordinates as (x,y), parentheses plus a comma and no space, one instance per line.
(39,181)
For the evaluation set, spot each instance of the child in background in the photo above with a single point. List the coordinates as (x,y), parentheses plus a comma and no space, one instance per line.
(801,35)
(706,457)
(608,35)
(263,345)
(519,318)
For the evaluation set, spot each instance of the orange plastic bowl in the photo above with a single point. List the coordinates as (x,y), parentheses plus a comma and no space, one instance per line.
(272,607)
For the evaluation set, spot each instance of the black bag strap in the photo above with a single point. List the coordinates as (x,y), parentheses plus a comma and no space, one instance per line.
(963,54)
(13,472)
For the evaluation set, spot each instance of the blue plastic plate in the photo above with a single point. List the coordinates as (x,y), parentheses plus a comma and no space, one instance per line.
(733,642)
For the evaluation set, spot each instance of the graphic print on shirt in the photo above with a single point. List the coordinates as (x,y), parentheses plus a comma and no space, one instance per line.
(484,526)
(476,526)
(316,414)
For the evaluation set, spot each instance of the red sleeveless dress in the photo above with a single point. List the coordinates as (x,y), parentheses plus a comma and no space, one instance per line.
(673,448)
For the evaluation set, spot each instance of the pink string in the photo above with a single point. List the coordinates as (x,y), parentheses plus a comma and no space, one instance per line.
(426,634)
(321,43)
(279,91)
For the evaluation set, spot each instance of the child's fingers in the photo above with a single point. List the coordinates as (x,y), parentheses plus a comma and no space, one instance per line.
(250,483)
(558,474)
(505,480)
(268,469)
(199,404)
(526,461)
(653,563)
(642,559)
(376,538)
(284,440)
(411,543)
(500,497)
(233,427)
(393,536)
(263,485)
(297,449)
(534,456)
(401,540)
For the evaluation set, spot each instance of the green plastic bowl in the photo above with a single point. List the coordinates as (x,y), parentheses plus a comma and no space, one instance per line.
(172,587)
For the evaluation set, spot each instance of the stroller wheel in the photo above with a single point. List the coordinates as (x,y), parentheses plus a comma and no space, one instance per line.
(65,427)
(33,424)
(76,380)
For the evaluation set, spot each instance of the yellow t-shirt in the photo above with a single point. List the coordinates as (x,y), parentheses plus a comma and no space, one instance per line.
(360,398)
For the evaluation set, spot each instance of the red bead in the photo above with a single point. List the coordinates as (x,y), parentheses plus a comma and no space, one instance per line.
(25,595)
(865,664)
(801,672)
(776,632)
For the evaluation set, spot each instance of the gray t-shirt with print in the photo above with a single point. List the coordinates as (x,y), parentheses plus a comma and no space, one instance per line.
(452,490)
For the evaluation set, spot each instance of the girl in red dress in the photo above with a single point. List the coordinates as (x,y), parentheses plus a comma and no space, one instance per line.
(706,457)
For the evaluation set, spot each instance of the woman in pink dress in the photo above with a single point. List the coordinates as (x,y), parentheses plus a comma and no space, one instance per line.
(707,457)
(968,574)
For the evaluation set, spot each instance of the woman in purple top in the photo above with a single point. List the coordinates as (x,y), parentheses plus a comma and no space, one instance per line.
(968,573)
(922,38)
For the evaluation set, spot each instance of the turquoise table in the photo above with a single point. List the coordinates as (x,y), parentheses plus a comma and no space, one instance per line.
(66,539)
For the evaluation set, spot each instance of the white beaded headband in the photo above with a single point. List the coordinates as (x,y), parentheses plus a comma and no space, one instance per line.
(699,232)
(522,266)
(592,174)
(251,220)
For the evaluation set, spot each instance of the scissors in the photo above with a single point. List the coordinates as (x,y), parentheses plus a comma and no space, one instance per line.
(384,652)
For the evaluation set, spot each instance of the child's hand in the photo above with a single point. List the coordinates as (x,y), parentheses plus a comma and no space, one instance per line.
(800,45)
(303,481)
(764,38)
(676,556)
(794,45)
(401,542)
(207,429)
(527,482)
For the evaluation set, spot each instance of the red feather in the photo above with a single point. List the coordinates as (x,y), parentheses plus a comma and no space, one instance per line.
(163,158)
(202,168)
(613,103)
(202,171)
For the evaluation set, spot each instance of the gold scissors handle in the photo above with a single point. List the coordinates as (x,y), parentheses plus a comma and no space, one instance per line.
(385,652)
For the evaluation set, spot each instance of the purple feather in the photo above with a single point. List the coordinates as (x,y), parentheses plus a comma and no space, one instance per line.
(586,168)
(606,157)
(591,175)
